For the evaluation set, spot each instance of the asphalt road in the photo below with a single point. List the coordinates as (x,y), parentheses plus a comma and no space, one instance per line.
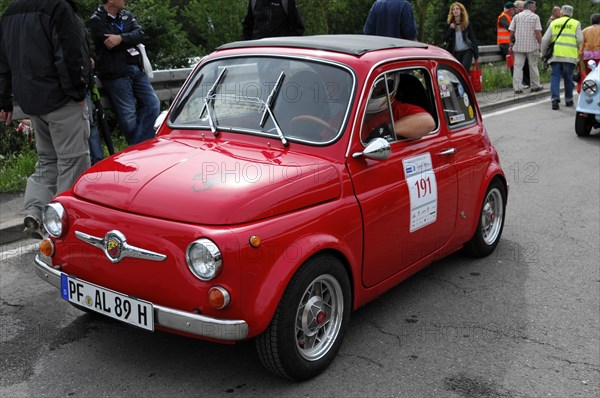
(523,322)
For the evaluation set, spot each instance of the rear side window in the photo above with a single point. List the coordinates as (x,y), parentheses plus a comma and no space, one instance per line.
(458,104)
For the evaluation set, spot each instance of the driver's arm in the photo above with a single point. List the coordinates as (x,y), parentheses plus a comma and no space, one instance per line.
(413,122)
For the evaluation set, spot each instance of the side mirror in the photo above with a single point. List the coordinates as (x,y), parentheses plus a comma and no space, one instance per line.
(592,64)
(377,149)
(160,120)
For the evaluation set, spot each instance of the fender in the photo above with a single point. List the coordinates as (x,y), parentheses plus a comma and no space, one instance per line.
(494,170)
(268,285)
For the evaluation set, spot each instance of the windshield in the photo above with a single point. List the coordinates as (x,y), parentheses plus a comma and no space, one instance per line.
(297,100)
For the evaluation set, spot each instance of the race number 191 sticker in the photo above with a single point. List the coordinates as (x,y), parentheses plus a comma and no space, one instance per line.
(422,188)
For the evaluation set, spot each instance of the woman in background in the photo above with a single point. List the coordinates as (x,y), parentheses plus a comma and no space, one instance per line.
(460,37)
(590,47)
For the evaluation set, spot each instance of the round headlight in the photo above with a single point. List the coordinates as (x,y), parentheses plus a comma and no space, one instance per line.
(204,259)
(590,87)
(55,220)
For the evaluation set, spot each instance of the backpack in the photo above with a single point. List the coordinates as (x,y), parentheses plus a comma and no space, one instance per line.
(284,3)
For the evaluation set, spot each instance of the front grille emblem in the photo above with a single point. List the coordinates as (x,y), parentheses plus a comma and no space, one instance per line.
(112,246)
(115,247)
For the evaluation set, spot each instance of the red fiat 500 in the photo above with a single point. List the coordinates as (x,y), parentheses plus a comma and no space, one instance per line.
(286,187)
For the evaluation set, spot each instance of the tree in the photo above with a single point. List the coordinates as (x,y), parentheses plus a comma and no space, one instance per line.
(166,43)
(209,24)
(420,8)
(346,16)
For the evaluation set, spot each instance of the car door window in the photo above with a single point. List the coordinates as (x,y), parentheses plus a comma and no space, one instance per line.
(389,91)
(459,107)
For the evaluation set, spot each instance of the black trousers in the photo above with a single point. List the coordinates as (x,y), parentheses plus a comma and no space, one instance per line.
(465,58)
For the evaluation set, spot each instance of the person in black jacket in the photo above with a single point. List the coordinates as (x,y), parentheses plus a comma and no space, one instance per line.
(460,37)
(116,36)
(272,18)
(43,66)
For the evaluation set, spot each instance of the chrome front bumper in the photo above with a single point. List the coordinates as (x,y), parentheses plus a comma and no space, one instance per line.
(199,325)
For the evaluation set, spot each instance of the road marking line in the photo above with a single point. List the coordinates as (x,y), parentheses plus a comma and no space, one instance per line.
(19,251)
(511,109)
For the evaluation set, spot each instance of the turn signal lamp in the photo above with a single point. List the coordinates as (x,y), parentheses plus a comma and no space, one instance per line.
(47,247)
(218,297)
(254,241)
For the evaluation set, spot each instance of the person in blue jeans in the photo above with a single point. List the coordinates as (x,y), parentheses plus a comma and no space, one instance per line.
(565,33)
(116,35)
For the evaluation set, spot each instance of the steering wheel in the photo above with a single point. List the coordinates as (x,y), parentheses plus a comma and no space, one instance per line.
(314,120)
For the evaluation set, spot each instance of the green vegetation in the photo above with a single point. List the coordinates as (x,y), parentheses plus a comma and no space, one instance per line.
(15,168)
(18,156)
(496,76)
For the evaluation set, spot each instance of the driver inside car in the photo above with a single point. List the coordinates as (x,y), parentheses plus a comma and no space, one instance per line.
(410,121)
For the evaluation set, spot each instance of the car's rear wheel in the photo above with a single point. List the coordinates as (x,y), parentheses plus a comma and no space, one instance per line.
(583,124)
(310,322)
(491,221)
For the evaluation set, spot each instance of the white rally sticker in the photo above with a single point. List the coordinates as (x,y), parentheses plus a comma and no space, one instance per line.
(422,188)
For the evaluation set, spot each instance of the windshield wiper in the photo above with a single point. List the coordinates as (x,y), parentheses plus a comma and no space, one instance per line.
(210,96)
(270,101)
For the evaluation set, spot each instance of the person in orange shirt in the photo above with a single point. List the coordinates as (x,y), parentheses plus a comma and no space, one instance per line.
(502,24)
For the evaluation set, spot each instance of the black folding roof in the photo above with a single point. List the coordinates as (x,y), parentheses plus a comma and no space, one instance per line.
(347,44)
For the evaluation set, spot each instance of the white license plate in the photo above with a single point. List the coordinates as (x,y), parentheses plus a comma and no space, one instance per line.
(115,305)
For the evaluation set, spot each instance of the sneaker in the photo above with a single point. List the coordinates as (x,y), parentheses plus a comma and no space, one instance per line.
(33,227)
(569,102)
(525,86)
(536,89)
(555,105)
(518,91)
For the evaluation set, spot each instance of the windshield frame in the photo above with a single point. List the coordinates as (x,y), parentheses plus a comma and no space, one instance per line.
(197,75)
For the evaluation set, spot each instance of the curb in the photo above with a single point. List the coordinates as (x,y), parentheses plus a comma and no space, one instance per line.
(11,218)
(493,100)
(12,232)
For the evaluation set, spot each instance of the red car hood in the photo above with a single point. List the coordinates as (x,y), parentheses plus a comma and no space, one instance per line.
(208,183)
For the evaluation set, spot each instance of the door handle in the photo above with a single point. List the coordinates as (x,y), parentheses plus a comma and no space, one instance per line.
(448,151)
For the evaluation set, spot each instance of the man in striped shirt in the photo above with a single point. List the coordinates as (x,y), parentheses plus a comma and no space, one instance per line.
(526,34)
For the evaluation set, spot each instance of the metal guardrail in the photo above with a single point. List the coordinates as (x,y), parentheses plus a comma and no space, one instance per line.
(167,83)
(489,54)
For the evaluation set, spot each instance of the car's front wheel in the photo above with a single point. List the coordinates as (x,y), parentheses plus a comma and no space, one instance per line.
(491,221)
(310,322)
(583,124)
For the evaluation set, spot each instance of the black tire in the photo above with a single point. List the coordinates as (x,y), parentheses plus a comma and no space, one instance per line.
(323,283)
(583,125)
(491,221)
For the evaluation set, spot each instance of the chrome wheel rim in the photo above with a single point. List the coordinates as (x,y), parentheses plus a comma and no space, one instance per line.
(319,317)
(492,216)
